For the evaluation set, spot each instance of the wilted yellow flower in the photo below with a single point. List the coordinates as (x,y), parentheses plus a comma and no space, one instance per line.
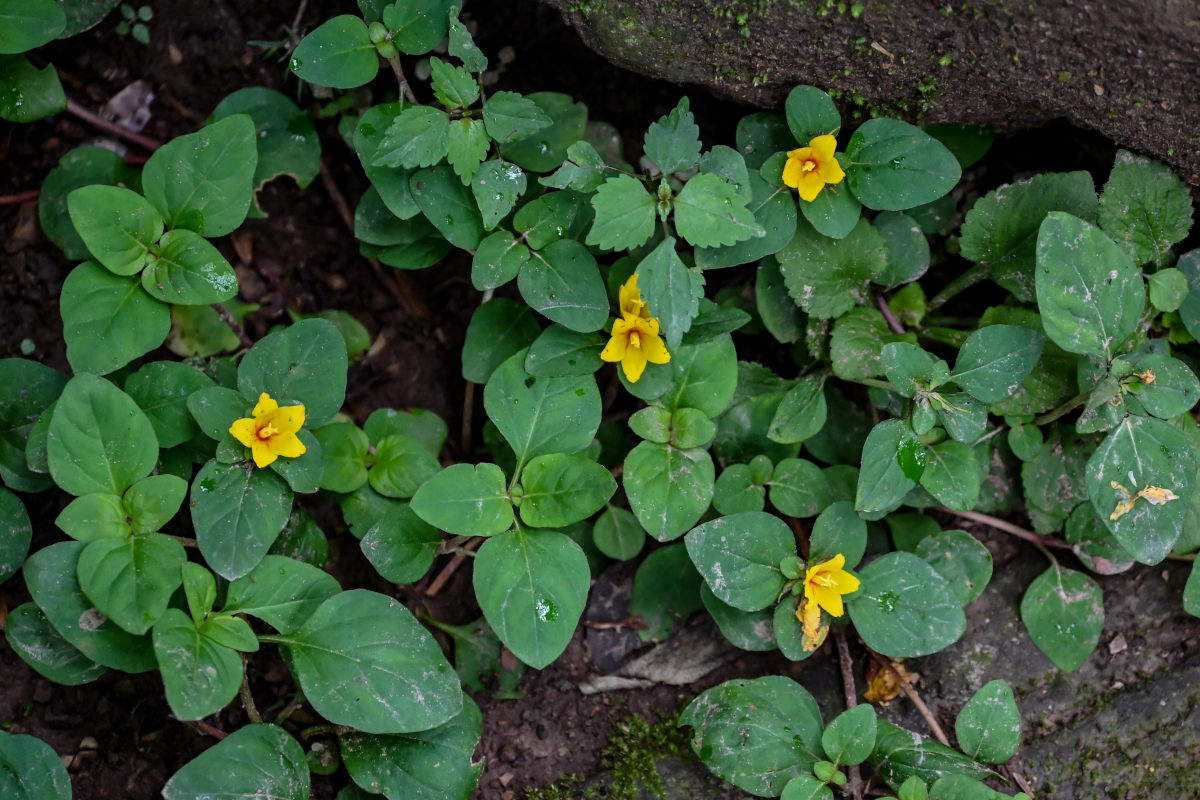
(808,169)
(1154,495)
(271,432)
(635,340)
(824,585)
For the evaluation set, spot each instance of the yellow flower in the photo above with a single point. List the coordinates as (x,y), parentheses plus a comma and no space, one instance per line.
(635,340)
(271,432)
(824,585)
(810,168)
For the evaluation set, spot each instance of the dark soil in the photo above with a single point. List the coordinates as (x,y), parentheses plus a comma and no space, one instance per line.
(117,733)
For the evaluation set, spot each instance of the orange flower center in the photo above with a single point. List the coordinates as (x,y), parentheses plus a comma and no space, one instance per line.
(267,431)
(822,579)
(809,165)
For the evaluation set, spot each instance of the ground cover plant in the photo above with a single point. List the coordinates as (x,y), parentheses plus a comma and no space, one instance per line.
(796,492)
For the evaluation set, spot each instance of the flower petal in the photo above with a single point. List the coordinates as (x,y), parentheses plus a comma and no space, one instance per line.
(810,185)
(830,171)
(792,173)
(245,431)
(634,363)
(829,600)
(844,582)
(287,445)
(263,455)
(265,405)
(629,297)
(289,418)
(655,349)
(615,349)
(823,146)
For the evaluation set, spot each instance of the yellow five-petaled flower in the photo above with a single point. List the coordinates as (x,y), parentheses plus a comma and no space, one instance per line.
(824,585)
(635,340)
(808,169)
(271,432)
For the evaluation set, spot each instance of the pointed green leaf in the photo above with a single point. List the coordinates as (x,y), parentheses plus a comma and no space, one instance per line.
(118,226)
(904,608)
(895,165)
(1145,208)
(669,489)
(673,142)
(624,214)
(417,137)
(466,500)
(738,556)
(562,281)
(1063,611)
(338,54)
(200,676)
(988,728)
(255,761)
(109,320)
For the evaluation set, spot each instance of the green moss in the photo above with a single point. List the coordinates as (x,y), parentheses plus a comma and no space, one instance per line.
(565,788)
(633,747)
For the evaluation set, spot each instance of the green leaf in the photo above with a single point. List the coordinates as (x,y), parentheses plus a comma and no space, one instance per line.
(827,277)
(466,500)
(562,282)
(391,183)
(834,212)
(901,755)
(673,142)
(761,134)
(449,205)
(99,440)
(118,226)
(775,212)
(29,768)
(907,248)
(969,143)
(735,491)
(560,352)
(540,149)
(416,423)
(26,24)
(254,761)
(617,534)
(204,181)
(1063,611)
(883,481)
(799,488)
(910,369)
(850,738)
(838,530)
(952,474)
(28,93)
(229,631)
(532,587)
(402,465)
(1090,293)
(857,341)
(995,359)
(238,511)
(401,546)
(498,329)
(363,660)
(281,591)
(703,376)
(50,577)
(37,387)
(200,676)
(1189,310)
(304,363)
(583,170)
(961,559)
(1145,208)
(417,26)
(624,214)
(344,450)
(666,591)
(454,87)
(187,270)
(286,140)
(1140,453)
(417,137)
(509,116)
(427,765)
(746,630)
(541,415)
(559,490)
(1000,230)
(16,532)
(806,787)
(162,389)
(904,608)
(498,259)
(669,489)
(710,211)
(895,165)
(83,166)
(338,54)
(1168,288)
(466,147)
(553,216)
(1174,389)
(757,733)
(94,516)
(109,320)
(34,639)
(1191,593)
(462,46)
(497,185)
(738,557)
(152,502)
(801,413)
(988,728)
(811,113)
(672,290)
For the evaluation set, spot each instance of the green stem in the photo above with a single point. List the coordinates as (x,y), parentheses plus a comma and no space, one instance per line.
(875,382)
(973,275)
(1066,408)
(947,336)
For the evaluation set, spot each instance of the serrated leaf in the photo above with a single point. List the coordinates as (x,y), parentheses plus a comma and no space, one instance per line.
(462,46)
(672,291)
(709,211)
(624,214)
(496,185)
(673,142)
(1145,208)
(466,147)
(453,86)
(509,116)
(417,137)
